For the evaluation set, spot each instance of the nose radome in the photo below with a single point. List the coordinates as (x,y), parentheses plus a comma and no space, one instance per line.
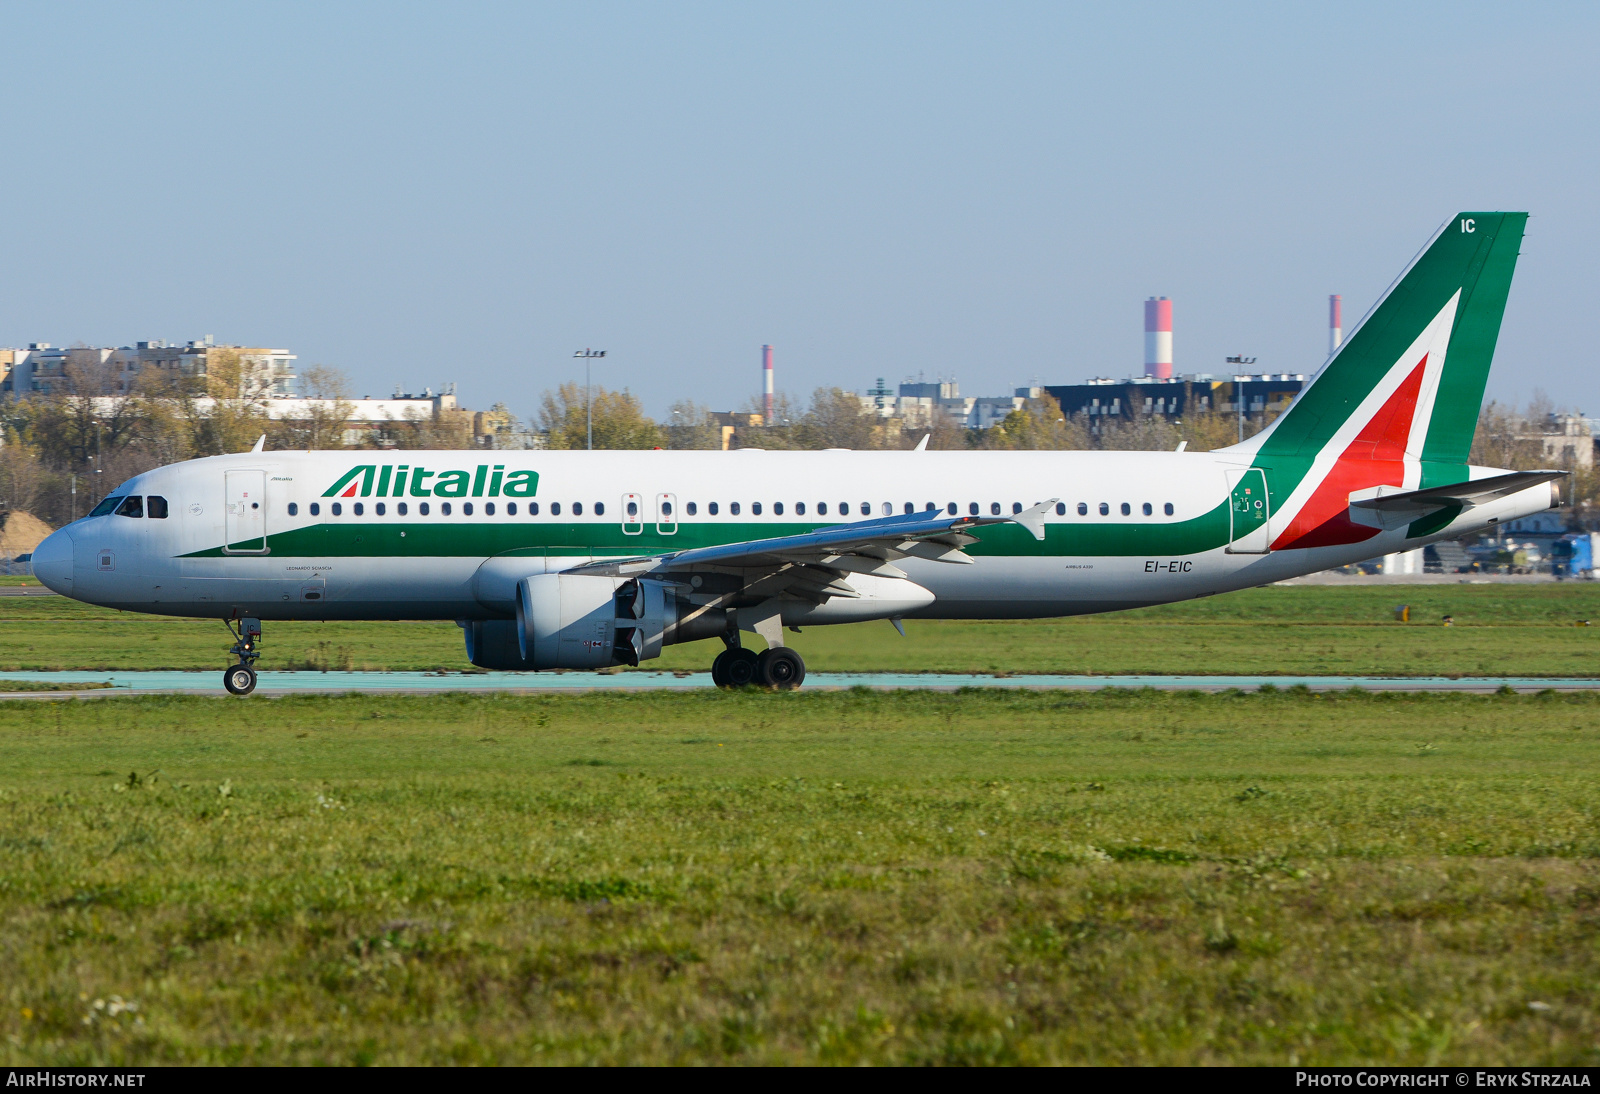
(52,562)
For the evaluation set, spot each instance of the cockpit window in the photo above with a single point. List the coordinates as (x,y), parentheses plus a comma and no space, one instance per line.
(155,507)
(109,505)
(132,506)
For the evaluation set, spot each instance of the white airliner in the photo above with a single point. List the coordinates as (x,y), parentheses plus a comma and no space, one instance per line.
(581,560)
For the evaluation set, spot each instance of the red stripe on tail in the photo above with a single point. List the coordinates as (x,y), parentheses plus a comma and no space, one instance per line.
(1375,458)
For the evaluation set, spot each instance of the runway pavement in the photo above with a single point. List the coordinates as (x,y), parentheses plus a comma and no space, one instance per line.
(548,683)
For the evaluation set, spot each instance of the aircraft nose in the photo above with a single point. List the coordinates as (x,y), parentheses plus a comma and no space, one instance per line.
(52,562)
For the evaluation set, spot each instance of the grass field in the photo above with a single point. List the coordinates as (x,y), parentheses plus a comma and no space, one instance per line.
(1519,630)
(832,877)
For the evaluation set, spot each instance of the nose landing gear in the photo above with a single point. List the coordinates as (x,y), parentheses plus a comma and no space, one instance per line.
(241,678)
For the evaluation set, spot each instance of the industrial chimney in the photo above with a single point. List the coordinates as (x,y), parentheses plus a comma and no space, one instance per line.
(1335,323)
(1158,338)
(766,378)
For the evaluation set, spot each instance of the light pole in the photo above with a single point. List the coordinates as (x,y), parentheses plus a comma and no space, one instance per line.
(588,356)
(1238,381)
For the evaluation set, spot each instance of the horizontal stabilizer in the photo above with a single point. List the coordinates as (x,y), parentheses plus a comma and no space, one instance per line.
(1396,510)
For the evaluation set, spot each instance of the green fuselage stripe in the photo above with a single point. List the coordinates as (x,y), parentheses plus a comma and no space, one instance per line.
(485,538)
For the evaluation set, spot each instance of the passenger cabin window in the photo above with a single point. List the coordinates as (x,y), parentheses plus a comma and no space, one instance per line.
(733,508)
(316,509)
(488,508)
(1126,509)
(712,508)
(822,508)
(994,509)
(600,508)
(755,508)
(466,508)
(155,507)
(338,509)
(799,508)
(910,508)
(972,508)
(555,509)
(1061,508)
(361,510)
(777,508)
(1167,508)
(422,508)
(1016,507)
(694,508)
(444,508)
(951,509)
(1083,509)
(577,508)
(294,509)
(511,508)
(1148,509)
(402,508)
(533,508)
(381,508)
(132,506)
(866,508)
(109,505)
(888,509)
(633,508)
(1105,510)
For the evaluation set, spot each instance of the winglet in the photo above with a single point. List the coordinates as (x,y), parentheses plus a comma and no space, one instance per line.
(1033,519)
(261,443)
(922,445)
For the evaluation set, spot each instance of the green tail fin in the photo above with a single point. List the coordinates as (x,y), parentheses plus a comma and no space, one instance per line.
(1446,307)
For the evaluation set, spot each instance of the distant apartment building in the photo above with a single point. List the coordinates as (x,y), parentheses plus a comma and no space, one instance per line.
(44,369)
(1198,393)
(1566,441)
(916,403)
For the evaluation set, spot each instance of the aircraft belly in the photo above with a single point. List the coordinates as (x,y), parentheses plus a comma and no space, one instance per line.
(999,587)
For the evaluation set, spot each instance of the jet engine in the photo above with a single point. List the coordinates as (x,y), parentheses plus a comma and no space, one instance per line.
(574,621)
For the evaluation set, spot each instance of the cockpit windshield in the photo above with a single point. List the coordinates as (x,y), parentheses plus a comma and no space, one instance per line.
(107,505)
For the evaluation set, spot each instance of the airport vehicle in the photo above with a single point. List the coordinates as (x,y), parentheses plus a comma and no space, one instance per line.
(585,560)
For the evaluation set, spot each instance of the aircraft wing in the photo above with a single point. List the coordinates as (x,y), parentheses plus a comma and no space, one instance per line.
(865,547)
(1395,510)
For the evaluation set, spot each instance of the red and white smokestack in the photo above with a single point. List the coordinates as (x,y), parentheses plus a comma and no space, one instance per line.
(766,376)
(1335,323)
(1158,338)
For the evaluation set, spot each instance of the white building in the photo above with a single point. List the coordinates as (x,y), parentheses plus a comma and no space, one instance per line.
(43,368)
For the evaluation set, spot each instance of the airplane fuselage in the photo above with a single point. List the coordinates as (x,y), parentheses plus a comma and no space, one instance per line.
(447,534)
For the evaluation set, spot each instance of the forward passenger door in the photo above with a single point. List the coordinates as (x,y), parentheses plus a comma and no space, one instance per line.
(245,513)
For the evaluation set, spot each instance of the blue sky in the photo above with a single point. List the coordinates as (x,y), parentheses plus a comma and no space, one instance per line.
(470,192)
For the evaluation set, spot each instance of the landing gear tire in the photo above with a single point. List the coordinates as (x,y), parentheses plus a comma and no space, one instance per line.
(780,668)
(240,680)
(735,668)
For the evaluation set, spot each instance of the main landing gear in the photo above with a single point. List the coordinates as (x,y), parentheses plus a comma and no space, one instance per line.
(778,667)
(241,678)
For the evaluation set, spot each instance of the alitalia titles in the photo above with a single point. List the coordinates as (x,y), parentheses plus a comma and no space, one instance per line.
(369,480)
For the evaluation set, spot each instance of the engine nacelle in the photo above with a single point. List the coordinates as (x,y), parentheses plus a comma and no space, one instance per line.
(573,621)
